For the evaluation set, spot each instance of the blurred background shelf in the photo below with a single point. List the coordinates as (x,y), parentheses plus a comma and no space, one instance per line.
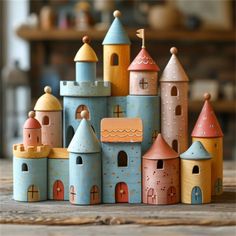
(36,34)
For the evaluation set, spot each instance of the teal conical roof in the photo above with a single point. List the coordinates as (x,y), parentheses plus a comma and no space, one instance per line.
(116,33)
(84,140)
(196,152)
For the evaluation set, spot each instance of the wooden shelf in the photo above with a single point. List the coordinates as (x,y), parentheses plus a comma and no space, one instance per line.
(219,106)
(36,34)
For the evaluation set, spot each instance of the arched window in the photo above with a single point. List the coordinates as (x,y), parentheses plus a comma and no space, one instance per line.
(114,59)
(79,110)
(178,110)
(24,167)
(45,120)
(122,159)
(195,170)
(143,83)
(175,145)
(174,91)
(160,164)
(79,160)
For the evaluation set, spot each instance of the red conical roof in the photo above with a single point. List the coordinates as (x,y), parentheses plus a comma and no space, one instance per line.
(207,125)
(31,122)
(160,150)
(143,62)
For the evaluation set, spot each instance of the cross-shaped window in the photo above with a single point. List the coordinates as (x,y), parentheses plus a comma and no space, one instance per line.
(118,111)
(143,84)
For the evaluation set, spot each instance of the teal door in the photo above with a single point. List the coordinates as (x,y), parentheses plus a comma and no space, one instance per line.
(196,195)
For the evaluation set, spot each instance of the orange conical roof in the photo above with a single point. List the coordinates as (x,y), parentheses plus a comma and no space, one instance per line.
(207,125)
(160,150)
(143,62)
(31,122)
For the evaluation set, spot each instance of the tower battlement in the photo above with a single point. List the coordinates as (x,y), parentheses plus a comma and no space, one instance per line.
(19,150)
(85,88)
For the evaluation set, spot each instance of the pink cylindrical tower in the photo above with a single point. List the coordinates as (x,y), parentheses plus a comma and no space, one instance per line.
(32,131)
(174,104)
(160,174)
(49,114)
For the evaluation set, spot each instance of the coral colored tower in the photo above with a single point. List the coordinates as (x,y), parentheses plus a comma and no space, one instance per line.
(208,131)
(174,104)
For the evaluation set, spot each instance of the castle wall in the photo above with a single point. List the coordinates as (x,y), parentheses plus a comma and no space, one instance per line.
(85,71)
(116,106)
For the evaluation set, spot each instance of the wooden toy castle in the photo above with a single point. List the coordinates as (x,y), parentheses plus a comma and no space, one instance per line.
(116,140)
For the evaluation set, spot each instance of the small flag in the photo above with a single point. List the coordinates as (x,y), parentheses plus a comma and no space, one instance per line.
(140,34)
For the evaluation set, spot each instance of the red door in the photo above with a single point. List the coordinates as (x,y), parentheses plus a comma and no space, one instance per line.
(58,190)
(151,197)
(72,194)
(171,195)
(122,192)
(94,195)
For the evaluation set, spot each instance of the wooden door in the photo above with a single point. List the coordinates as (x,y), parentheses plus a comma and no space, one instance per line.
(218,186)
(33,193)
(196,195)
(72,194)
(151,196)
(171,195)
(94,195)
(58,190)
(121,193)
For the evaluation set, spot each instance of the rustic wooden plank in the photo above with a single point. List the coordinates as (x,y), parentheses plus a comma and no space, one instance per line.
(219,213)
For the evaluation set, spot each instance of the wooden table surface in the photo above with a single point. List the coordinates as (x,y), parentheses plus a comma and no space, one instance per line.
(61,218)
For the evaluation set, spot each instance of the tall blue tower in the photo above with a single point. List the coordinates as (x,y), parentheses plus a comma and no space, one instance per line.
(86,93)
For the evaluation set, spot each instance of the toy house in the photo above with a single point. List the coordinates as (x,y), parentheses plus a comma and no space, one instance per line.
(86,93)
(160,178)
(48,111)
(30,164)
(143,100)
(121,159)
(58,174)
(207,130)
(85,165)
(195,175)
(174,104)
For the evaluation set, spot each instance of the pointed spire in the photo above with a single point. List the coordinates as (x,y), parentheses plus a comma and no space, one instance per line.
(84,140)
(160,150)
(196,152)
(174,71)
(207,125)
(116,33)
(86,53)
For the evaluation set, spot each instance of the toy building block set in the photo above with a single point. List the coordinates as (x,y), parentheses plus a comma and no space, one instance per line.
(117,140)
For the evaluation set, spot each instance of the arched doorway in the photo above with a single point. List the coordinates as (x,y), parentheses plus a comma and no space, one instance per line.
(94,195)
(121,193)
(58,190)
(151,196)
(171,195)
(33,193)
(196,197)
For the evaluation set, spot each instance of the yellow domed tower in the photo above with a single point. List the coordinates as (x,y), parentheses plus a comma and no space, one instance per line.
(116,57)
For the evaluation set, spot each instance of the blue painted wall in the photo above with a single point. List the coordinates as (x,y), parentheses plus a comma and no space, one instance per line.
(85,71)
(112,174)
(58,169)
(36,175)
(113,102)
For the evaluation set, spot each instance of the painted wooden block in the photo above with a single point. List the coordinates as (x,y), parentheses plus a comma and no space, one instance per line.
(174,104)
(208,131)
(96,108)
(49,114)
(58,174)
(160,175)
(85,165)
(195,175)
(148,109)
(116,106)
(116,57)
(121,159)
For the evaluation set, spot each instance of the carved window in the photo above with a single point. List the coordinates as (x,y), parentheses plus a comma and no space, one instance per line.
(45,120)
(175,145)
(160,164)
(79,110)
(24,167)
(79,160)
(118,112)
(114,59)
(178,110)
(122,159)
(174,91)
(195,170)
(143,83)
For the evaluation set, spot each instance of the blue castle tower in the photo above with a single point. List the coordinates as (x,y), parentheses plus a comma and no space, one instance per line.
(86,93)
(85,165)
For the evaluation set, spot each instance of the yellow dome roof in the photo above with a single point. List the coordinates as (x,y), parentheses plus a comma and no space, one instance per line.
(86,53)
(48,102)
